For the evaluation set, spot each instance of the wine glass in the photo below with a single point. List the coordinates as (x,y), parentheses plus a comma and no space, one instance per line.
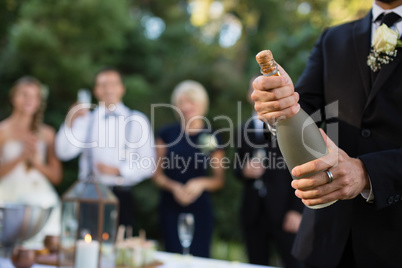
(185,227)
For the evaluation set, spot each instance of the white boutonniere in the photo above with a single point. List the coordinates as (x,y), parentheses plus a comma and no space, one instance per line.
(207,143)
(383,48)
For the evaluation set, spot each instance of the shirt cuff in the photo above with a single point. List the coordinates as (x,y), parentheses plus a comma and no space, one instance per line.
(368,194)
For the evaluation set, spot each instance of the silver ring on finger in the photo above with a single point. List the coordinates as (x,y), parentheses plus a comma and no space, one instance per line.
(330,176)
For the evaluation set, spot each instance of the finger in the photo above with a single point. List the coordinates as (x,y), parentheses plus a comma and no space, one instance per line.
(265,83)
(189,186)
(276,105)
(194,192)
(330,144)
(322,163)
(193,198)
(273,94)
(283,92)
(81,112)
(181,201)
(322,200)
(317,192)
(317,180)
(189,192)
(274,117)
(187,199)
(314,166)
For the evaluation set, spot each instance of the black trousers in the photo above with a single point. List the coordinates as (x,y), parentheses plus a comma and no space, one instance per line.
(347,259)
(127,206)
(259,241)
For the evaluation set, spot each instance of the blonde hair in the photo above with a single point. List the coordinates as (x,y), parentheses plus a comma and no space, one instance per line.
(37,119)
(193,90)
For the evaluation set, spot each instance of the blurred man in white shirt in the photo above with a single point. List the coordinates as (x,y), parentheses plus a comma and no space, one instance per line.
(114,142)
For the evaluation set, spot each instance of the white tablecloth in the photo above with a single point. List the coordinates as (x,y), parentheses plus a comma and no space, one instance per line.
(171,261)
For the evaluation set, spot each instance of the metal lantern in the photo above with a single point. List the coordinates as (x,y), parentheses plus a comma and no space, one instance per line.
(88,226)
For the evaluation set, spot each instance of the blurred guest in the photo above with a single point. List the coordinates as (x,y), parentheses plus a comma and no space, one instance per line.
(111,140)
(28,164)
(185,150)
(270,212)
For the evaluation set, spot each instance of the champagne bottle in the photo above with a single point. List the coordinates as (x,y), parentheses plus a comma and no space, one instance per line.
(299,138)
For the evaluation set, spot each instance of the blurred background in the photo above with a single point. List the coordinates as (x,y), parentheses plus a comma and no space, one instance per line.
(156,44)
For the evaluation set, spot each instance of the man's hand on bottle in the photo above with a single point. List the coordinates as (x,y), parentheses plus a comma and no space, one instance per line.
(274,97)
(350,177)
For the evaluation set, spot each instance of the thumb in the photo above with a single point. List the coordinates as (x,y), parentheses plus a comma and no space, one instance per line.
(285,74)
(330,144)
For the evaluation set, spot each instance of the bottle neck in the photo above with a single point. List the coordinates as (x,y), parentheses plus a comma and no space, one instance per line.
(270,68)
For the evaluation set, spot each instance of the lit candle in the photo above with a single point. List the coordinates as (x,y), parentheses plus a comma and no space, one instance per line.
(87,253)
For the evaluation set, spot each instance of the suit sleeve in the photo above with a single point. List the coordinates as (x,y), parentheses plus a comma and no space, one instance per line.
(384,169)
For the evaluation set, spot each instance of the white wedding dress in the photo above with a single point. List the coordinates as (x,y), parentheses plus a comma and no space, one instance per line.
(28,186)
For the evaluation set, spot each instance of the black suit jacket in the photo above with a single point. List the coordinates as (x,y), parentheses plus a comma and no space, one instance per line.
(369,119)
(280,196)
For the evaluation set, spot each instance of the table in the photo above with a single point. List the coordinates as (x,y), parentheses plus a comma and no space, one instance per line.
(172,261)
(178,261)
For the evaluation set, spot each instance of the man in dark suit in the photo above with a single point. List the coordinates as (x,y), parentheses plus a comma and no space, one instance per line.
(270,212)
(363,229)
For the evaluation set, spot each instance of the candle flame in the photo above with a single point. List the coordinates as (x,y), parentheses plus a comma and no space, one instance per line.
(88,238)
(105,236)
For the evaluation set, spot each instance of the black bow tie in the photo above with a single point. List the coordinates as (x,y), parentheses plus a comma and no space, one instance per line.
(388,19)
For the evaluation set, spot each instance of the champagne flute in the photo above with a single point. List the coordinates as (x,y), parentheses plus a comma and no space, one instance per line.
(84,96)
(185,227)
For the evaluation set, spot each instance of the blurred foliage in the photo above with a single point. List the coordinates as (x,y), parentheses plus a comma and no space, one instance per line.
(64,42)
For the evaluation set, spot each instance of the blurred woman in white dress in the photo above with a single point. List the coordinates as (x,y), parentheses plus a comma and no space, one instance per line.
(28,165)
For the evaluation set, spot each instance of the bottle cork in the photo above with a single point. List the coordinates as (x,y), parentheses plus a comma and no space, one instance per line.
(267,63)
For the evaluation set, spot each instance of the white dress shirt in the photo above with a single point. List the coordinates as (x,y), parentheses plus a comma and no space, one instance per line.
(123,140)
(377,11)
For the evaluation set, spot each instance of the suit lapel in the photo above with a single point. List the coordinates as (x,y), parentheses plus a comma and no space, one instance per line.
(383,75)
(362,44)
